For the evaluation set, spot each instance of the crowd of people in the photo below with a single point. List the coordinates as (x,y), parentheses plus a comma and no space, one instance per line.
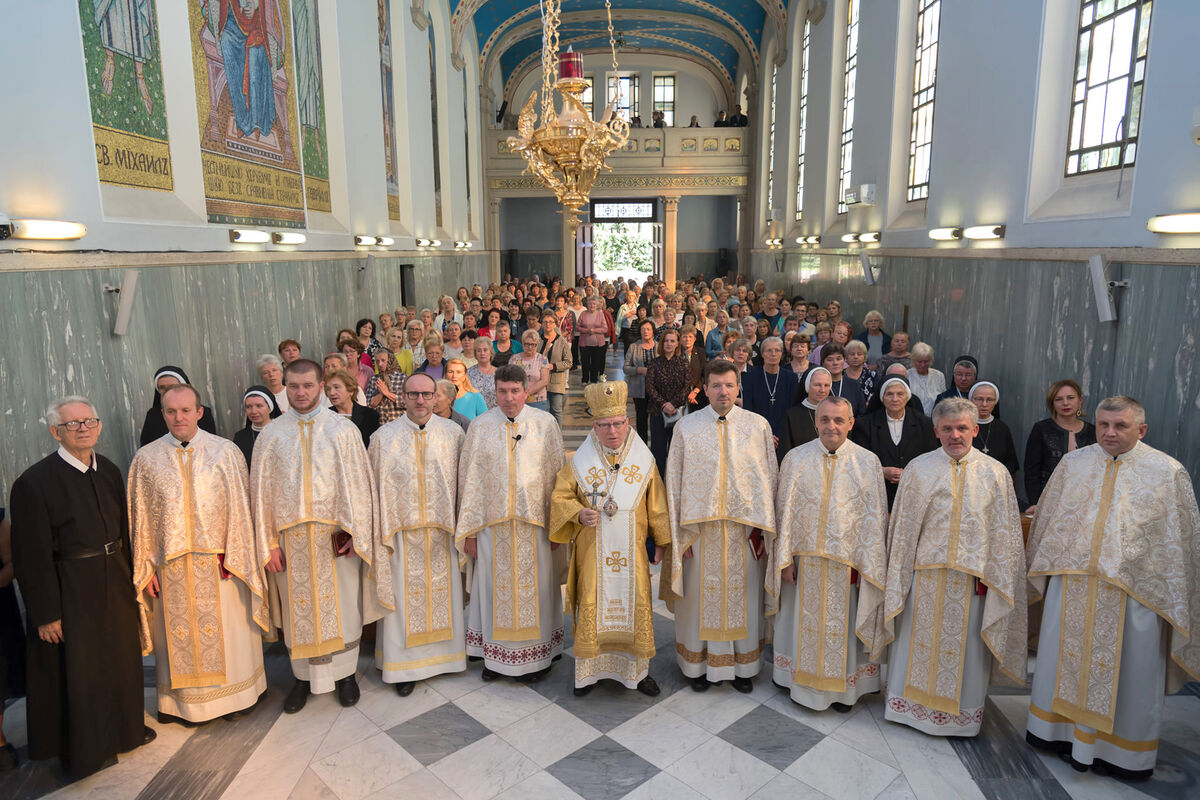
(799,482)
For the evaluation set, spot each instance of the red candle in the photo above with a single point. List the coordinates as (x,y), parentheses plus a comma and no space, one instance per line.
(570,65)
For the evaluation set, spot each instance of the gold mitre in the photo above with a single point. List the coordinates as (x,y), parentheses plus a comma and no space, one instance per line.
(607,398)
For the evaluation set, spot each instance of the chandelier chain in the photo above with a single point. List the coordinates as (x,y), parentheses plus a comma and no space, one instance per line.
(612,39)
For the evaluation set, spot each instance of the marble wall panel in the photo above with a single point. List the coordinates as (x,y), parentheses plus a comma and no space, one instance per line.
(212,320)
(1030,323)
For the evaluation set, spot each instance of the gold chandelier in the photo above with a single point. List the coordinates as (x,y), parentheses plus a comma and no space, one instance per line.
(568,149)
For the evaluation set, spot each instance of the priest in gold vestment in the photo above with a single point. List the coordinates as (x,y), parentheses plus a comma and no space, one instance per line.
(198,568)
(313,498)
(415,461)
(826,571)
(721,474)
(1115,554)
(955,579)
(505,478)
(606,502)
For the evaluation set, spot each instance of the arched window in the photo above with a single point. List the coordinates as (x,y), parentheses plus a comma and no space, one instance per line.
(803,126)
(433,128)
(467,144)
(850,75)
(1106,102)
(771,144)
(920,142)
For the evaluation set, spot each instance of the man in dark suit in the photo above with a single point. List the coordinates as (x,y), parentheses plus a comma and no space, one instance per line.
(738,120)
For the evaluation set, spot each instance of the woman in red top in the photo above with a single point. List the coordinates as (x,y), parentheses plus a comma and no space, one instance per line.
(592,329)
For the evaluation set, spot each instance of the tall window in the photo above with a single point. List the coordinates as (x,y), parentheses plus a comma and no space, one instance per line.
(664,97)
(433,125)
(850,75)
(587,96)
(803,122)
(920,141)
(1110,66)
(467,144)
(771,145)
(626,89)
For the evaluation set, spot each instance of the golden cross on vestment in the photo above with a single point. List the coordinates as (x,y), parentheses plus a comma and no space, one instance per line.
(616,561)
(632,473)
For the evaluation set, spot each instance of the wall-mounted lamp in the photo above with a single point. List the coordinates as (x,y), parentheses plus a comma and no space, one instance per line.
(984,232)
(946,234)
(40,229)
(849,238)
(288,237)
(248,236)
(384,241)
(436,243)
(812,240)
(362,241)
(1175,223)
(424,242)
(871,237)
(462,245)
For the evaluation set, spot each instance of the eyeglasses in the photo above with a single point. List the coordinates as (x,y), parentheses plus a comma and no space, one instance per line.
(611,426)
(422,395)
(76,424)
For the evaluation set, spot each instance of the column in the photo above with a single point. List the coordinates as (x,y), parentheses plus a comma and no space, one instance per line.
(569,277)
(670,227)
(493,239)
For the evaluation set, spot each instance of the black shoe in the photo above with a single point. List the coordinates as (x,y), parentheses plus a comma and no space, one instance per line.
(472,659)
(297,697)
(167,719)
(841,708)
(234,716)
(148,734)
(8,758)
(743,685)
(649,687)
(580,691)
(490,675)
(405,688)
(556,658)
(347,691)
(534,677)
(700,684)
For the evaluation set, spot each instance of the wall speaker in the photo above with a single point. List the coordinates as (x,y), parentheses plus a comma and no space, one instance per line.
(1106,308)
(125,293)
(868,269)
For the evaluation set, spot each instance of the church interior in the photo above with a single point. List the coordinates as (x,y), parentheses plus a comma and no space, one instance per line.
(1019,181)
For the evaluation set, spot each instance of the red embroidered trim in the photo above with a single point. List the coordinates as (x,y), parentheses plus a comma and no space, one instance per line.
(521,655)
(964,719)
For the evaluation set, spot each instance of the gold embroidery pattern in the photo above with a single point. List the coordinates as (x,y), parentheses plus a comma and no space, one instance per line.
(197,696)
(515,601)
(619,665)
(191,604)
(616,561)
(632,473)
(428,599)
(716,661)
(823,625)
(723,582)
(1143,540)
(1089,651)
(937,649)
(316,625)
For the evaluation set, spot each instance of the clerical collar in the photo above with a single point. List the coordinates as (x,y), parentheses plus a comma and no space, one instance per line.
(75,462)
(307,415)
(416,425)
(177,443)
(829,452)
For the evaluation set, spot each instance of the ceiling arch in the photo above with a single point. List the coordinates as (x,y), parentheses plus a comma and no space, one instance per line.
(690,28)
(504,29)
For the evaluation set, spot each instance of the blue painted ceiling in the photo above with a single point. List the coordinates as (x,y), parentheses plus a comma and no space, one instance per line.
(723,34)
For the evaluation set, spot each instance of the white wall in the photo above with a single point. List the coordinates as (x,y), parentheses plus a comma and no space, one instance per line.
(697,91)
(46,147)
(990,62)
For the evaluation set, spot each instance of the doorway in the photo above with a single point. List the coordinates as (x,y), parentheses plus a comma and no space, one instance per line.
(612,251)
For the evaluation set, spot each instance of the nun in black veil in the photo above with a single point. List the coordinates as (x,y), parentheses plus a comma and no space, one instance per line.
(261,408)
(154,426)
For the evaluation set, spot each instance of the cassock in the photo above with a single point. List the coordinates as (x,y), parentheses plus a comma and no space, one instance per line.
(956,580)
(608,585)
(189,517)
(770,396)
(1115,553)
(309,480)
(70,542)
(874,432)
(729,490)
(505,479)
(827,624)
(417,470)
(996,440)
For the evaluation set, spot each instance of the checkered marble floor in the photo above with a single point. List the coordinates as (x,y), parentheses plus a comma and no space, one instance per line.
(458,737)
